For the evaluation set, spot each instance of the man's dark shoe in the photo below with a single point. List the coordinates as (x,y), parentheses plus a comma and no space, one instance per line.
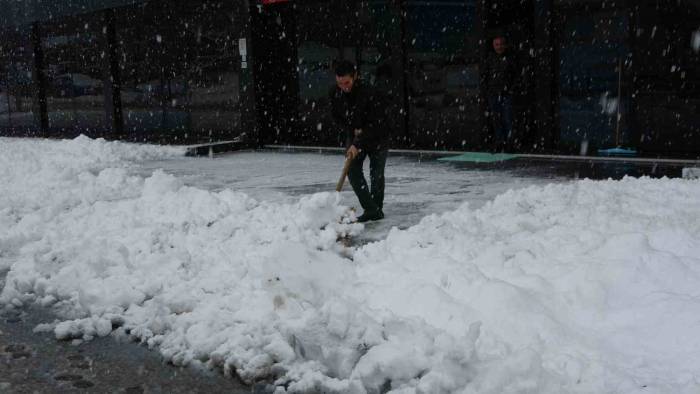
(371,215)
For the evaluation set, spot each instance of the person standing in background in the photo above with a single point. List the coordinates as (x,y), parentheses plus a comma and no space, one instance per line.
(498,78)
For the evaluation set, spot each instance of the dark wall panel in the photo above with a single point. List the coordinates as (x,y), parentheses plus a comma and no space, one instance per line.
(18,13)
(75,69)
(19,113)
(443,74)
(666,77)
(179,69)
(629,75)
(593,45)
(144,71)
(275,70)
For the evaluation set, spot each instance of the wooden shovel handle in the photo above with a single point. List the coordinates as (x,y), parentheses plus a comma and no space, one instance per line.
(341,181)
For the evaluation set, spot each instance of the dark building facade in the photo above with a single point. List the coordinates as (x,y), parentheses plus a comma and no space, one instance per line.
(591,73)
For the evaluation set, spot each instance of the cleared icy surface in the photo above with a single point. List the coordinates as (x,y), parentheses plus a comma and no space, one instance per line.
(415,188)
(577,286)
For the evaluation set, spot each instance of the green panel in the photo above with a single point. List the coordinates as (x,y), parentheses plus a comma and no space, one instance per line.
(480,157)
(620,152)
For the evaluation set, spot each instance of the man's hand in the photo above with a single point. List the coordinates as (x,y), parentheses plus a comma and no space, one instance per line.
(352,152)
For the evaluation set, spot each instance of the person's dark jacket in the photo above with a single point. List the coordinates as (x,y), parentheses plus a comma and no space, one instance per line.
(499,74)
(364,108)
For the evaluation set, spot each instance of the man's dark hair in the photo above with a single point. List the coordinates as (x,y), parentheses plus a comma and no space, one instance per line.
(344,68)
(498,33)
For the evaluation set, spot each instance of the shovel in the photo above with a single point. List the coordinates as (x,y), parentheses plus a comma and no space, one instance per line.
(343,175)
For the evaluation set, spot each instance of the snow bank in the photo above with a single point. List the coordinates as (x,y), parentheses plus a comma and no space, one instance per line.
(583,287)
(39,175)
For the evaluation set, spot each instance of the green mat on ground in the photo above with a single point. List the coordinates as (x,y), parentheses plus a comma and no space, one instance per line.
(480,157)
(617,152)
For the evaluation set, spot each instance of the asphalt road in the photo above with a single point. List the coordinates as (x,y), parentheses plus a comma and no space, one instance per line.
(38,363)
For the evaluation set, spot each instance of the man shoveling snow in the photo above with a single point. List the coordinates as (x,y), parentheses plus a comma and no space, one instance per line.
(359,110)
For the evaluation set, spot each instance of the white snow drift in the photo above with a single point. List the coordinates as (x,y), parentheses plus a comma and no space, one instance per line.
(580,287)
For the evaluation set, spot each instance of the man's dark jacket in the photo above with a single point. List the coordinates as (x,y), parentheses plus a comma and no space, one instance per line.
(499,74)
(366,109)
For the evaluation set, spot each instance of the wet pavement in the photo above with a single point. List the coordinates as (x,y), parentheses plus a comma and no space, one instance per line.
(38,363)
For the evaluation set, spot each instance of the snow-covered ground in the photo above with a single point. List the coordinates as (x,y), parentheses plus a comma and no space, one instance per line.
(581,286)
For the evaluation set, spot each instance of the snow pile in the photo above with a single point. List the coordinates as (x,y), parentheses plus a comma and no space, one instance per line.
(583,287)
(40,175)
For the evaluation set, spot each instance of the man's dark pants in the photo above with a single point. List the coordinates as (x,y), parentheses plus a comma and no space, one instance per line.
(370,199)
(501,112)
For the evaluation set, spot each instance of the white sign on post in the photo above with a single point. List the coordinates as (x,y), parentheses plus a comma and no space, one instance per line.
(242,47)
(243,50)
